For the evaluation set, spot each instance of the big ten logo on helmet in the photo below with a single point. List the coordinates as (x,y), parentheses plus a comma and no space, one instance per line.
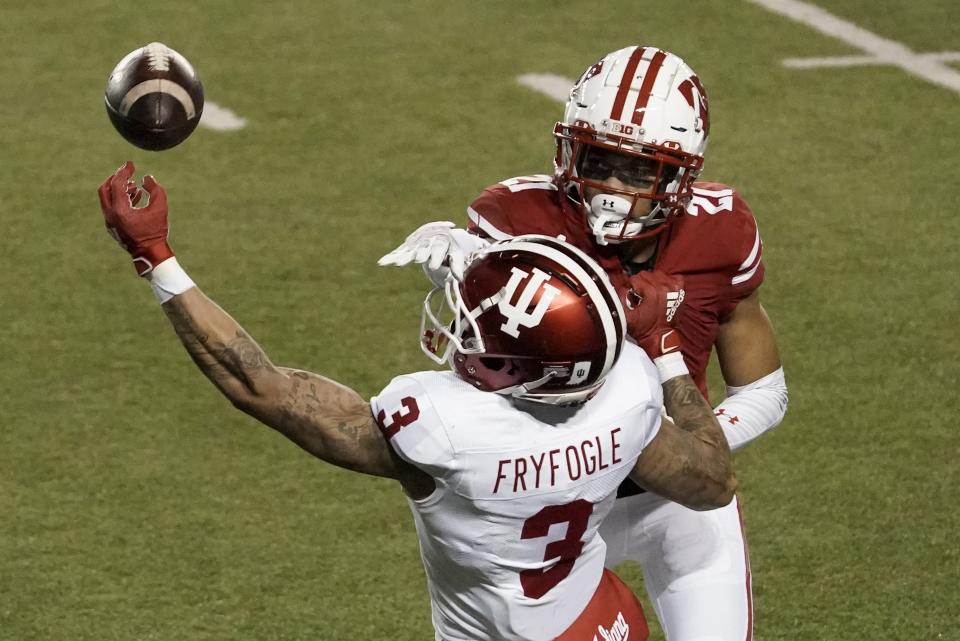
(609,126)
(517,313)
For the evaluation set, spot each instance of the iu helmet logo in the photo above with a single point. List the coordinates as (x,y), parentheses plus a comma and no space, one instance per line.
(516,313)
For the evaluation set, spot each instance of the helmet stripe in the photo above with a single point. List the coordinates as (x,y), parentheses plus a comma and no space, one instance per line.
(647,87)
(625,82)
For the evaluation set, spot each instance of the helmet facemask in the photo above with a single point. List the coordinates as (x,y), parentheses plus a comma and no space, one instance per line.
(657,182)
(648,107)
(446,325)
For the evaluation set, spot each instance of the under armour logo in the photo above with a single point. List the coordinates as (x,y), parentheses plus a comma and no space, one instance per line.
(516,314)
(722,413)
(609,203)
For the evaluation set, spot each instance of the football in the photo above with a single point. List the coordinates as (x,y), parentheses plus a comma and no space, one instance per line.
(154,97)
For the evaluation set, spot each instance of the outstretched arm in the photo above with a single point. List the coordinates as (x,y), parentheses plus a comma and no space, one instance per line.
(327,419)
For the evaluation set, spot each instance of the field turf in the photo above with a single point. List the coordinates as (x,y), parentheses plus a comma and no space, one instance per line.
(137,505)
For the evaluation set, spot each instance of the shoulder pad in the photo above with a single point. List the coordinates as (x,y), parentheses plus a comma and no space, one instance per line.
(720,232)
(409,421)
(520,205)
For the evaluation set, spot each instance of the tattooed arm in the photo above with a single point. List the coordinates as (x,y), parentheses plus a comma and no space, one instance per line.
(327,419)
(688,461)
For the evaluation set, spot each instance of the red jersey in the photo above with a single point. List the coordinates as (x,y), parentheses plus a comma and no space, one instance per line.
(715,246)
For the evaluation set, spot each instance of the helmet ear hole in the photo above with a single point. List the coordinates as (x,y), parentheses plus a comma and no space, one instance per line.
(493,363)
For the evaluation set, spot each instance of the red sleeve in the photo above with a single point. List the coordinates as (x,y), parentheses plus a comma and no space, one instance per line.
(747,274)
(486,217)
(718,235)
(522,205)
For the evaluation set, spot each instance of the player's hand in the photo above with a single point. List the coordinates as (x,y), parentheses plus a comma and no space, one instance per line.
(142,231)
(440,246)
(651,306)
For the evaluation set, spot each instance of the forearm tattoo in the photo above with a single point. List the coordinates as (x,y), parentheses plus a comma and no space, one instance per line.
(327,419)
(228,356)
(697,472)
(687,407)
(347,435)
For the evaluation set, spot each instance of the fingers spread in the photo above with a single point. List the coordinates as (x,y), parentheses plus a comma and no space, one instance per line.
(400,256)
(438,251)
(158,195)
(112,191)
(104,193)
(126,170)
(457,260)
(134,193)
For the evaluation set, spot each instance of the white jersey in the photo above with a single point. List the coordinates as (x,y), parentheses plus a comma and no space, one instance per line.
(509,537)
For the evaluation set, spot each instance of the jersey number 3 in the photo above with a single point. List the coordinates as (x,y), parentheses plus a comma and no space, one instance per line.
(536,583)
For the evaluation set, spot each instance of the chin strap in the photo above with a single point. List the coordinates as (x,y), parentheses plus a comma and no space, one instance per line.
(524,392)
(526,388)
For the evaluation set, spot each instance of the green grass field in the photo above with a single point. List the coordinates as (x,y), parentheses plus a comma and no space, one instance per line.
(137,505)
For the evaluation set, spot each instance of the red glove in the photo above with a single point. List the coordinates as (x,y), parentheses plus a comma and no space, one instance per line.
(142,231)
(651,306)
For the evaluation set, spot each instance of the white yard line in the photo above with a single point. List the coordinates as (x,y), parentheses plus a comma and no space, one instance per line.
(878,50)
(549,84)
(220,118)
(834,61)
(853,61)
(930,67)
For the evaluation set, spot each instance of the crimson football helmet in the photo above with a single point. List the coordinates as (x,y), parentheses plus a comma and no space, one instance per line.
(532,317)
(639,115)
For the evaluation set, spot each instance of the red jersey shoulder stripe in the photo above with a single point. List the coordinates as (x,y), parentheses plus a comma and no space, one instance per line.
(486,226)
(750,265)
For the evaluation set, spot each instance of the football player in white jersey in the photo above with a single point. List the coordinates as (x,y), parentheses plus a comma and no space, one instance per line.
(510,461)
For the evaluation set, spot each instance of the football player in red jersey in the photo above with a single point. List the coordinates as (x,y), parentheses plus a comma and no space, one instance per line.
(629,151)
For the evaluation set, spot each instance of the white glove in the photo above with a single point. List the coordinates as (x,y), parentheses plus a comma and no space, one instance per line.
(440,246)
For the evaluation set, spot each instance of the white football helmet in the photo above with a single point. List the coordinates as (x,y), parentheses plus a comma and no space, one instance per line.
(640,115)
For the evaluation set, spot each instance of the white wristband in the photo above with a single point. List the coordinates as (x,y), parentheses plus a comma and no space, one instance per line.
(670,366)
(168,279)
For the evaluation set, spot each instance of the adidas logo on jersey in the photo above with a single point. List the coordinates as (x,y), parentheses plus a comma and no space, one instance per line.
(674,300)
(619,631)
